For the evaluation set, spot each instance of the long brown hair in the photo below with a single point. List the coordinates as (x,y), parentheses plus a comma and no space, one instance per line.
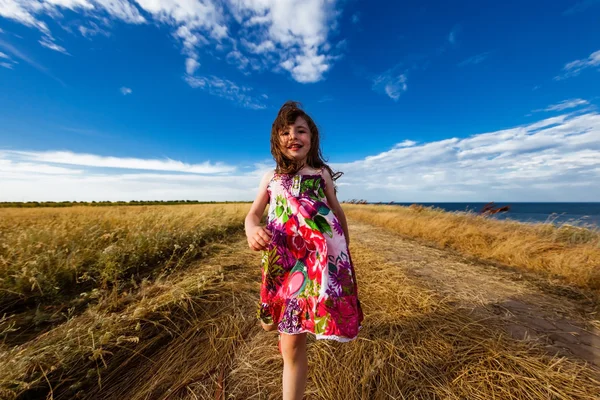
(287,115)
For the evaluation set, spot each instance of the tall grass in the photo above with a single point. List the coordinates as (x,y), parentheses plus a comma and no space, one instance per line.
(569,252)
(56,254)
(196,337)
(193,335)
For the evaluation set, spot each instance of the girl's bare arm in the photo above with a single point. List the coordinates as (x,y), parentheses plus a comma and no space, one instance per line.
(335,204)
(258,236)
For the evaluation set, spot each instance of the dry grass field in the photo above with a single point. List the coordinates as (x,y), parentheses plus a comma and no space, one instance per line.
(568,252)
(159,303)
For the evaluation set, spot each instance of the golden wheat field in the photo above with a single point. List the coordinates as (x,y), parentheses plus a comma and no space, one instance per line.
(158,302)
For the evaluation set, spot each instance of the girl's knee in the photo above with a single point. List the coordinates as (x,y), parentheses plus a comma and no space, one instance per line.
(293,346)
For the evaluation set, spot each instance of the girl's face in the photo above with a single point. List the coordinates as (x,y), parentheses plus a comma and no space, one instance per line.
(295,140)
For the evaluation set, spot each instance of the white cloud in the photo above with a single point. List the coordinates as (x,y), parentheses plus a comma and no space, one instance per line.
(392,83)
(27,11)
(96,161)
(48,43)
(92,30)
(290,35)
(565,105)
(238,59)
(122,10)
(196,16)
(355,18)
(37,180)
(11,167)
(476,59)
(125,91)
(260,48)
(8,63)
(24,57)
(191,65)
(556,159)
(226,89)
(406,143)
(34,187)
(574,68)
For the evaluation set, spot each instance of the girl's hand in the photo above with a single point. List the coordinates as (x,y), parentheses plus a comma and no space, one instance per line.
(258,238)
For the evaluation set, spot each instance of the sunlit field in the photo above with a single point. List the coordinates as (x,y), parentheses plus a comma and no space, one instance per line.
(154,302)
(568,252)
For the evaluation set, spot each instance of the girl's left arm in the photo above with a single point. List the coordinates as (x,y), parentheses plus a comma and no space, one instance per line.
(335,204)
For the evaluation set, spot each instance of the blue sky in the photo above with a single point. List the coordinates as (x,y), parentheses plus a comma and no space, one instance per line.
(416,101)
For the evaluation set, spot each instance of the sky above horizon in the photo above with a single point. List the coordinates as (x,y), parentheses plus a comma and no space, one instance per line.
(425,101)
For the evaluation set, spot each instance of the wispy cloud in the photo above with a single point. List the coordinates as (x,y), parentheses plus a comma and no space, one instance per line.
(125,91)
(22,56)
(6,61)
(91,30)
(581,6)
(355,18)
(474,59)
(191,65)
(17,167)
(226,89)
(301,48)
(392,82)
(49,44)
(574,68)
(27,11)
(452,36)
(325,99)
(96,161)
(565,105)
(554,159)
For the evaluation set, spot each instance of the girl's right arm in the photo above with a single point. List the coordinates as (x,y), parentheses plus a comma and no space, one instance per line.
(258,236)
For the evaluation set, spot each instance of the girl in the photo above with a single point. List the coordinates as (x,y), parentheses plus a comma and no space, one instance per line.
(308,280)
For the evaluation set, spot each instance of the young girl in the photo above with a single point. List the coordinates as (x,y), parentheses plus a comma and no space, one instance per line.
(308,280)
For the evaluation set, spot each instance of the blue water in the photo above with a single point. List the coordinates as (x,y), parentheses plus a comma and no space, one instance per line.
(582,214)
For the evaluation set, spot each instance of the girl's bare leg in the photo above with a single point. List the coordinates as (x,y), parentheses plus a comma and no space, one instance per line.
(295,365)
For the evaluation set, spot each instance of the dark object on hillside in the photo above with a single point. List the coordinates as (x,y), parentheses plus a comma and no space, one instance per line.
(490,208)
(355,201)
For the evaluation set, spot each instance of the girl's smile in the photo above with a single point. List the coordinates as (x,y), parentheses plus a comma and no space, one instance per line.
(295,140)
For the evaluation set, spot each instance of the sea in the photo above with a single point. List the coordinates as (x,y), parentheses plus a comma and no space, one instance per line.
(580,214)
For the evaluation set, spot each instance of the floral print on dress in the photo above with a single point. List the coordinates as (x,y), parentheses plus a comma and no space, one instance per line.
(308,279)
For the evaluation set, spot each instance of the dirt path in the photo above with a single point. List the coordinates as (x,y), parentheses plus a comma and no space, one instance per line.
(566,326)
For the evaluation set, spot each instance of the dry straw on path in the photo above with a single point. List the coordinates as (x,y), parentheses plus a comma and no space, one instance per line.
(193,334)
(567,252)
(415,346)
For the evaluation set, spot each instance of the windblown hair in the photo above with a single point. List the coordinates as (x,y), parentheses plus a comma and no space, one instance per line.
(286,116)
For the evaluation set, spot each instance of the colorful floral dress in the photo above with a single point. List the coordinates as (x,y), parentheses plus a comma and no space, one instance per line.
(308,279)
